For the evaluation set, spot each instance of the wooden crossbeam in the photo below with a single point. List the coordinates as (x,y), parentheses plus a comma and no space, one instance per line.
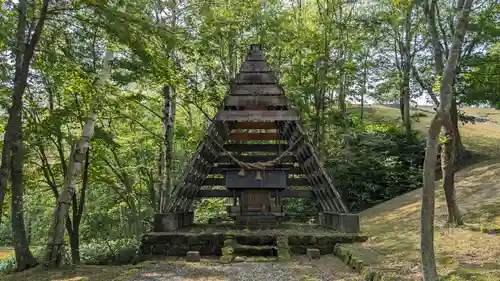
(257,115)
(285,193)
(253,136)
(245,147)
(254,66)
(256,158)
(256,89)
(255,101)
(255,78)
(221,167)
(255,125)
(256,56)
(289,182)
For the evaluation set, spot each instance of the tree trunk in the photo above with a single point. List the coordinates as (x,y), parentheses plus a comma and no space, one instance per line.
(427,211)
(4,173)
(406,58)
(74,242)
(406,99)
(74,239)
(447,166)
(443,113)
(13,135)
(159,181)
(169,107)
(430,12)
(56,242)
(24,257)
(342,97)
(460,151)
(402,104)
(55,245)
(363,91)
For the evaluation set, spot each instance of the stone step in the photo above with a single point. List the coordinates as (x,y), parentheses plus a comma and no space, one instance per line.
(254,251)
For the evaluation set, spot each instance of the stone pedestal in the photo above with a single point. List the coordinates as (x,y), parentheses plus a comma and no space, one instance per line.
(342,222)
(166,222)
(313,253)
(193,256)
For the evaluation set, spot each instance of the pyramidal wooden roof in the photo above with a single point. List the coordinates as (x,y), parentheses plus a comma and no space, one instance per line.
(256,124)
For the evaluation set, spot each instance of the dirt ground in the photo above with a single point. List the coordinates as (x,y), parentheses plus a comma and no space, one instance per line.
(327,268)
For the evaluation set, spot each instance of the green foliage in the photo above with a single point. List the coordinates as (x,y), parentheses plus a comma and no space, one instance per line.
(375,164)
(8,265)
(196,49)
(209,208)
(5,235)
(120,251)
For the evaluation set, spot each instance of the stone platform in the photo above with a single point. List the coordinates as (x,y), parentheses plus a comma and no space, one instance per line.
(209,240)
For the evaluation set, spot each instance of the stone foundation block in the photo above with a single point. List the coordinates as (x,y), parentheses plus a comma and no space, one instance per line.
(313,253)
(187,218)
(193,256)
(166,222)
(342,222)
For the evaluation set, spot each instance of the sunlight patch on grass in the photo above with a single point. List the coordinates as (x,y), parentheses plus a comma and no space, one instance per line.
(6,252)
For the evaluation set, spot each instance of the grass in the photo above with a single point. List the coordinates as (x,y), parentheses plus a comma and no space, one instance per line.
(394,246)
(480,138)
(461,254)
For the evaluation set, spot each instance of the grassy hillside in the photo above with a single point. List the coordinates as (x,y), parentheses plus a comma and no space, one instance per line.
(462,254)
(481,138)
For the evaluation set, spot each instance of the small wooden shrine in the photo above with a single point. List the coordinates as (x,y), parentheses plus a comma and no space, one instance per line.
(256,153)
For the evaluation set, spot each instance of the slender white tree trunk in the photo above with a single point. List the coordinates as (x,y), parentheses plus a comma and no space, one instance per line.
(168,123)
(55,245)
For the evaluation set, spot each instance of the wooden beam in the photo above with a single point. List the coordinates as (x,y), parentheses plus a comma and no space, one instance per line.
(277,167)
(255,66)
(253,136)
(255,78)
(297,193)
(289,182)
(257,115)
(221,167)
(247,147)
(255,125)
(256,158)
(256,56)
(255,101)
(256,89)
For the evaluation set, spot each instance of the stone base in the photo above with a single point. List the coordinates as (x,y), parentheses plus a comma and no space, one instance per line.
(342,222)
(166,222)
(257,222)
(211,243)
(313,253)
(193,256)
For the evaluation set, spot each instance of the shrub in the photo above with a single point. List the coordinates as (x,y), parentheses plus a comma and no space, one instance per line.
(8,265)
(5,234)
(376,164)
(123,251)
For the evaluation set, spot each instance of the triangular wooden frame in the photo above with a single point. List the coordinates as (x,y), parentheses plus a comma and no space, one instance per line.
(255,101)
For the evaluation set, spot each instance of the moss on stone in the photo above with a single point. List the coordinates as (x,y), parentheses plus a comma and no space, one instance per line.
(357,264)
